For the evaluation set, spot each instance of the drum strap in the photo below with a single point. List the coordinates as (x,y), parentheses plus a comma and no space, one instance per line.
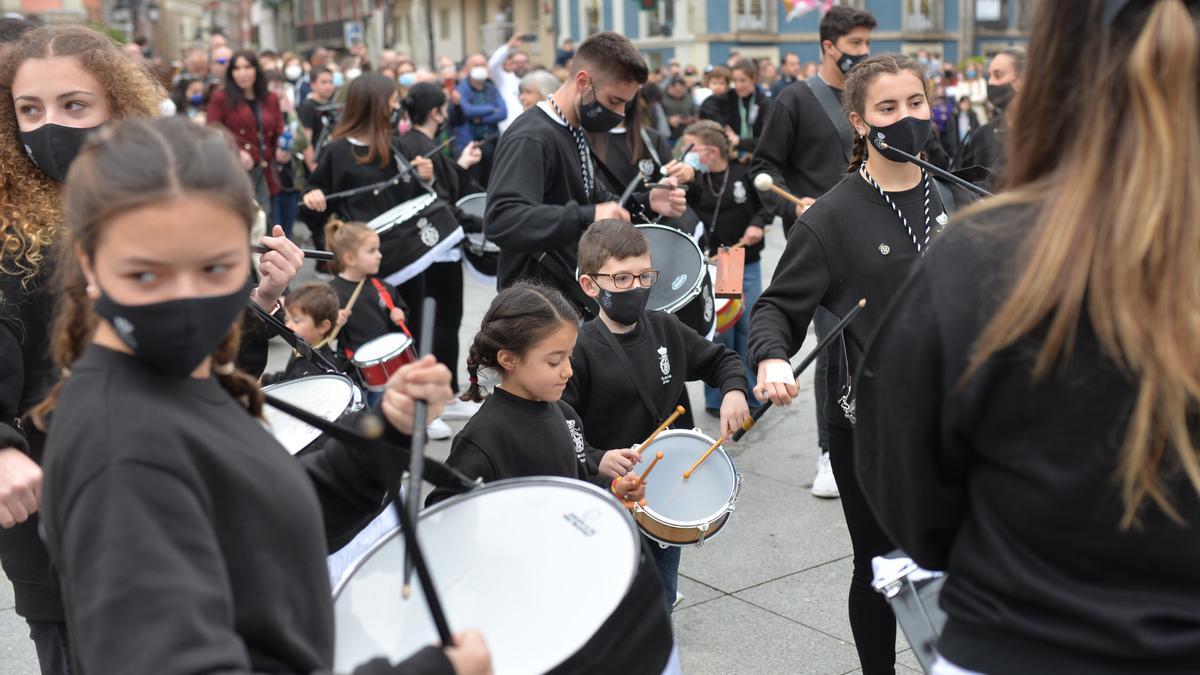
(623,359)
(387,300)
(584,471)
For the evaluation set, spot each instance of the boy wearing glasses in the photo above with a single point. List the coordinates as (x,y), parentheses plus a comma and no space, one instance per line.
(630,365)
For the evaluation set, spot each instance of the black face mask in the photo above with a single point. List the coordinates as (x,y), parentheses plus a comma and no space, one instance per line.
(1000,95)
(594,117)
(909,134)
(625,307)
(176,335)
(848,61)
(52,147)
(394,120)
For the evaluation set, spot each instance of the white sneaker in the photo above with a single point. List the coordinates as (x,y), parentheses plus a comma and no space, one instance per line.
(678,600)
(824,485)
(438,430)
(460,410)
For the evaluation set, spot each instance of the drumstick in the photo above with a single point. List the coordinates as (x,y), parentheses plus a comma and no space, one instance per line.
(812,356)
(679,410)
(764,183)
(688,474)
(650,468)
(308,253)
(338,328)
(416,462)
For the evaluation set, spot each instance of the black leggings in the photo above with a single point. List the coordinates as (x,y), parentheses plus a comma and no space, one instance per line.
(412,292)
(444,283)
(871,618)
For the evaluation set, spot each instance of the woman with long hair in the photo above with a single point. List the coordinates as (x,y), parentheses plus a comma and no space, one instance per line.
(859,240)
(185,537)
(1029,406)
(248,109)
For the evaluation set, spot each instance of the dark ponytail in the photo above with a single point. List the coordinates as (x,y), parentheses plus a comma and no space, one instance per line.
(519,317)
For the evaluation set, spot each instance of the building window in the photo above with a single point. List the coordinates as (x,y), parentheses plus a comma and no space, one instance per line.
(592,18)
(924,16)
(754,16)
(991,14)
(661,22)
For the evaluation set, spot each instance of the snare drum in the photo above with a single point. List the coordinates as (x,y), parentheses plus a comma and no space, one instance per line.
(549,569)
(330,396)
(679,511)
(729,310)
(413,235)
(683,286)
(912,592)
(377,359)
(483,256)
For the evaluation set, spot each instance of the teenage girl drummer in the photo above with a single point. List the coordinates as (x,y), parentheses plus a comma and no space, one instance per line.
(185,537)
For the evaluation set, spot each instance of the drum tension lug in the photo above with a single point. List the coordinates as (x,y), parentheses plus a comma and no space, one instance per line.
(703,535)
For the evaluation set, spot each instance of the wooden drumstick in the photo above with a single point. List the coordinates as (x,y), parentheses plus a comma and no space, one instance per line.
(764,183)
(349,306)
(679,410)
(688,474)
(650,468)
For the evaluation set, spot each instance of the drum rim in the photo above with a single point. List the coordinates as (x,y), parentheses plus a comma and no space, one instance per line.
(503,484)
(353,405)
(698,285)
(428,198)
(729,501)
(366,363)
(465,199)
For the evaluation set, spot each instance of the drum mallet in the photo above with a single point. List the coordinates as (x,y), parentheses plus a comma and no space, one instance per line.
(416,461)
(679,410)
(308,253)
(657,456)
(711,449)
(812,356)
(764,183)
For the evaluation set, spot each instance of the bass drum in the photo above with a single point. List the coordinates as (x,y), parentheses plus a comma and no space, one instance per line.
(683,286)
(483,257)
(551,570)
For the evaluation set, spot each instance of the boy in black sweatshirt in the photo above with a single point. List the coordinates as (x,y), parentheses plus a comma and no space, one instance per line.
(630,365)
(545,190)
(312,313)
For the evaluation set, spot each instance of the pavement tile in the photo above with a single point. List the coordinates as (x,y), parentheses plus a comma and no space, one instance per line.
(730,636)
(17,656)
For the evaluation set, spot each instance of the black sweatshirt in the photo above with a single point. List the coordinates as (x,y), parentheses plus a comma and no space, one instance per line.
(799,148)
(727,110)
(537,203)
(665,355)
(300,366)
(338,169)
(1011,484)
(186,538)
(741,207)
(833,258)
(26,374)
(511,437)
(370,316)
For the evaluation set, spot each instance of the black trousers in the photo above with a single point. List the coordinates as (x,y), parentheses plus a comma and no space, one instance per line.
(871,618)
(444,283)
(413,294)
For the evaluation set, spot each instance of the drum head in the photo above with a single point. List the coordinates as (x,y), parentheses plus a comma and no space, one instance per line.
(400,213)
(698,499)
(329,396)
(537,564)
(381,348)
(474,204)
(682,267)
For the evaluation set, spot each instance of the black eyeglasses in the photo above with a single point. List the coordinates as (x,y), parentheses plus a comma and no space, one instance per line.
(624,280)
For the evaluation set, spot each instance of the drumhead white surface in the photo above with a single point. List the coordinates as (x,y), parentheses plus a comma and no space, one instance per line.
(698,499)
(326,395)
(537,564)
(474,204)
(402,212)
(383,347)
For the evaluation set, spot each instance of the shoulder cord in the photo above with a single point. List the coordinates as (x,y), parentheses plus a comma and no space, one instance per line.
(581,144)
(921,245)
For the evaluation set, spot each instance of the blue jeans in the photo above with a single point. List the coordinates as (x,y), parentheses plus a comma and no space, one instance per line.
(50,641)
(667,560)
(284,207)
(737,335)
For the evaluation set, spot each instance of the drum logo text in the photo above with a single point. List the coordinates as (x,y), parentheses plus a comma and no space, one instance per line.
(578,523)
(678,281)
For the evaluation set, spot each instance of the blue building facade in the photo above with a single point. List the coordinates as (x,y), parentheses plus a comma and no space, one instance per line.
(700,32)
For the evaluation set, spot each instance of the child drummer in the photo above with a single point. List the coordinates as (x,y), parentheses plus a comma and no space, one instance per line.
(631,365)
(312,314)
